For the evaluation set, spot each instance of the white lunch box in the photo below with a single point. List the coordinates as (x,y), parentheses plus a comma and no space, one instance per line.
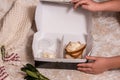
(58,24)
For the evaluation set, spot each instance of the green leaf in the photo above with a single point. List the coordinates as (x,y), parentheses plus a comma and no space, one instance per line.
(31,68)
(23,69)
(32,74)
(42,77)
(3,52)
(30,78)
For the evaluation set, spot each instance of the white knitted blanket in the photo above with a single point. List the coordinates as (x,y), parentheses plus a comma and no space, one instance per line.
(16,34)
(16,18)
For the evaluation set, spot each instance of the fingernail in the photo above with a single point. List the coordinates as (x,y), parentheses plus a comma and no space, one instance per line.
(78,69)
(86,56)
(78,64)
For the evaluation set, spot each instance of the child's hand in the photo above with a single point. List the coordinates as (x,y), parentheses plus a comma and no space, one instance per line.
(87,4)
(99,65)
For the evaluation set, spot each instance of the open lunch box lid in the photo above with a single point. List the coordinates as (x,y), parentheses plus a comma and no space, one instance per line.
(56,21)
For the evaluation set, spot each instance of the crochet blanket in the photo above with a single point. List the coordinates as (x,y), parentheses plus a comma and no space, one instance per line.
(16,21)
(16,33)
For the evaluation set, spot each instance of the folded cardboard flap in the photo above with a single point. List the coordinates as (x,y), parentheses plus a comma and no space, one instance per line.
(63,19)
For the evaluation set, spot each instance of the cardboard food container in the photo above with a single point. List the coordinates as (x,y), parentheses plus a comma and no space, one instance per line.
(57,25)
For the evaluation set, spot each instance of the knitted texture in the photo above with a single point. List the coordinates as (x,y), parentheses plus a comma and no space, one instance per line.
(4,9)
(16,34)
(16,25)
(16,22)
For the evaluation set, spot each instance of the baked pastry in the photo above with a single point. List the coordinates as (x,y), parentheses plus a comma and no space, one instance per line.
(68,56)
(74,49)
